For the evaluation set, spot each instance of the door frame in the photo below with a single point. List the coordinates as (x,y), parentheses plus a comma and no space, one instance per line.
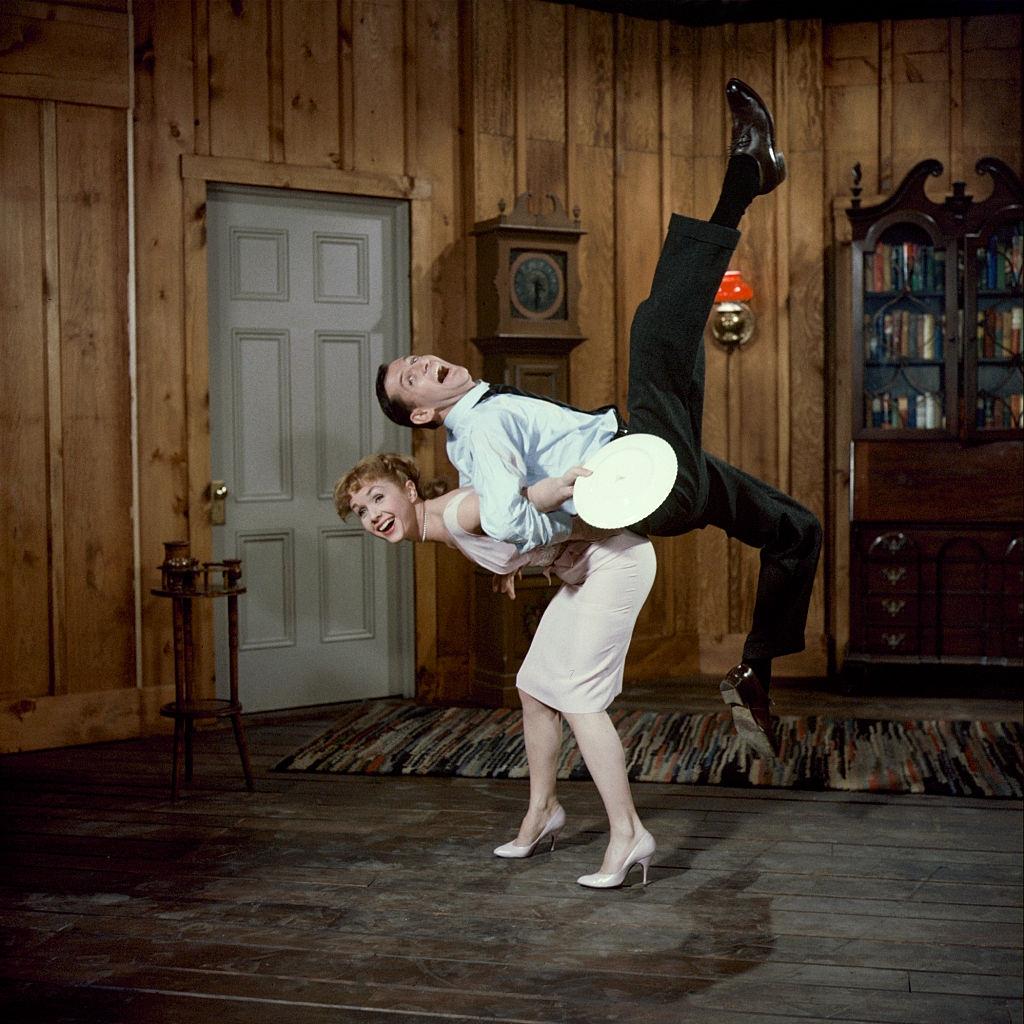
(197,173)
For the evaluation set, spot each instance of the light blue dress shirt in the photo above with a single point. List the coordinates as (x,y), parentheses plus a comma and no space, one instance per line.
(511,441)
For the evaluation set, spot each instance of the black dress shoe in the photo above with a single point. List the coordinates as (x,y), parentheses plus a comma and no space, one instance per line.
(750,704)
(753,134)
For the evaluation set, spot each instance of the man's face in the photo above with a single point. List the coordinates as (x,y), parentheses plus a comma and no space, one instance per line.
(386,510)
(426,385)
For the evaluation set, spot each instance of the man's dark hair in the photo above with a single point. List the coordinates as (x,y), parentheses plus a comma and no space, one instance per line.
(395,411)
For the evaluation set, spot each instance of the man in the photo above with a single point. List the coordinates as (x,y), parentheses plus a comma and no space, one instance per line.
(501,441)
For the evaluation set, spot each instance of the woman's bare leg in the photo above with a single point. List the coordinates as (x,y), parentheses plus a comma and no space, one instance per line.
(601,748)
(542,733)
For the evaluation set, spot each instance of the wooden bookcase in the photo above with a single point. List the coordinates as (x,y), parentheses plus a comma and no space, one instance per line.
(936,537)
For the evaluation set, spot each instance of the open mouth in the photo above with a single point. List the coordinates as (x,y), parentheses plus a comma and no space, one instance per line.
(386,526)
(442,372)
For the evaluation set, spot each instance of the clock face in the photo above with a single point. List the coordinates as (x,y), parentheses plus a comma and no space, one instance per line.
(538,285)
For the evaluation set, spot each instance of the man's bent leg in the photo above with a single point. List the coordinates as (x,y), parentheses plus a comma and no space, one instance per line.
(789,538)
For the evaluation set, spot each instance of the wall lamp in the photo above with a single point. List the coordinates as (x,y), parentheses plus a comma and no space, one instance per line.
(732,321)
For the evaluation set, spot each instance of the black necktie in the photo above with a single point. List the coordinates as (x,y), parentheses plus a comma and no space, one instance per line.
(511,389)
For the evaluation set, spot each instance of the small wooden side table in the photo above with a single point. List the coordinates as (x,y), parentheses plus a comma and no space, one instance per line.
(184,579)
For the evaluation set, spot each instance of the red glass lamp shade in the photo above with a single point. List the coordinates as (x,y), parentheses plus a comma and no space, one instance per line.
(733,288)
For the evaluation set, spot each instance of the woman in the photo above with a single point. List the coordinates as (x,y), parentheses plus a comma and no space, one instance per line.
(575,662)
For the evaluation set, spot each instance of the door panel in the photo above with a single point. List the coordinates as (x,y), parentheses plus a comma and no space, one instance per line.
(308,294)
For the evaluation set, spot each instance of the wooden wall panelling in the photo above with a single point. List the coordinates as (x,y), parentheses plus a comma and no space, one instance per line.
(710,135)
(98,548)
(591,77)
(24,512)
(955,156)
(239,79)
(310,83)
(544,91)
(55,404)
(921,97)
(992,122)
(275,79)
(378,86)
(443,578)
(851,70)
(346,98)
(804,215)
(837,527)
(60,52)
(753,385)
(163,125)
(197,413)
(493,93)
(201,76)
(885,101)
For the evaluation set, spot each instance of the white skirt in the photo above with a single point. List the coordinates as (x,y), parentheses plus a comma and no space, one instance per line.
(576,659)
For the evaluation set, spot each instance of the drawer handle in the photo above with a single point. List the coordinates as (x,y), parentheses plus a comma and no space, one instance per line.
(893,606)
(893,640)
(893,576)
(891,542)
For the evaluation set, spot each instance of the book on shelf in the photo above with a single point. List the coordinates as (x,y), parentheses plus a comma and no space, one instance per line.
(998,333)
(903,332)
(1000,411)
(1000,262)
(887,411)
(905,265)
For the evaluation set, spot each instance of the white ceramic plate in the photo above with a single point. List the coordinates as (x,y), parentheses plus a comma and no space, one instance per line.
(631,477)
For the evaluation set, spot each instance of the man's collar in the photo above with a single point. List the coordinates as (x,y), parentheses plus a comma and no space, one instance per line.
(457,414)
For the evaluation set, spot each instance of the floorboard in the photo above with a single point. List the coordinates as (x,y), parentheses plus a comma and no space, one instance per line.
(375,899)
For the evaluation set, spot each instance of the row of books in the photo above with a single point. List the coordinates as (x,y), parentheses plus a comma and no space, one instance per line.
(909,412)
(892,268)
(1005,411)
(999,332)
(902,332)
(999,265)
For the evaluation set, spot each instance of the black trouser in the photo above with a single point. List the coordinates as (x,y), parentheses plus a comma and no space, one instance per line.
(666,397)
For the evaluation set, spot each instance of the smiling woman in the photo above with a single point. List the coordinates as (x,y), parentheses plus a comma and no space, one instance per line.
(575,663)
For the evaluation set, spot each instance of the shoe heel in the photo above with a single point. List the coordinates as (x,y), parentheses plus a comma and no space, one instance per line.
(645,863)
(554,836)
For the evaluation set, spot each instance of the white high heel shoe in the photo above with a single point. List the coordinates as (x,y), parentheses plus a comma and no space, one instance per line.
(642,852)
(554,825)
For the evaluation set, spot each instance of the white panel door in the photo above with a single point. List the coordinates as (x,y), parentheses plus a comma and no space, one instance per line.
(308,294)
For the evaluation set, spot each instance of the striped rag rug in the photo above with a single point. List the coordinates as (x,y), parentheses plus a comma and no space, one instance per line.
(954,758)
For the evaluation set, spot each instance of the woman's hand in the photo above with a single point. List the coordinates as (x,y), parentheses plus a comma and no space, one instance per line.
(591,534)
(505,584)
(548,494)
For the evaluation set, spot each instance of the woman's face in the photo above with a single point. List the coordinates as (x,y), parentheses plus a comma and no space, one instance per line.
(387,509)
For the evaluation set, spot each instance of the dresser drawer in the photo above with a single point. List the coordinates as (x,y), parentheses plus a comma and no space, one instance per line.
(891,609)
(892,578)
(891,640)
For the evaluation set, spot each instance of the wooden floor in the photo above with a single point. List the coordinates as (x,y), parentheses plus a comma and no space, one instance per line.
(362,899)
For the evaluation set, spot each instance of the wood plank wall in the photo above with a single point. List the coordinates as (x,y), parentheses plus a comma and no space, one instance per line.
(453,105)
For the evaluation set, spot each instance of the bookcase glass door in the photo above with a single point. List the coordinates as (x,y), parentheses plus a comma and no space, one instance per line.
(903,353)
(994,304)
